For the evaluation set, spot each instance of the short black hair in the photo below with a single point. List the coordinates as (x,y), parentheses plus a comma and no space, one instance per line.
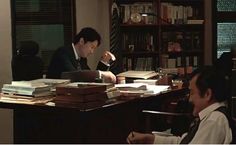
(28,48)
(211,78)
(88,34)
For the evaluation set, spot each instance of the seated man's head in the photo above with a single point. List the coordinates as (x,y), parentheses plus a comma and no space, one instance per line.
(86,41)
(207,86)
(28,48)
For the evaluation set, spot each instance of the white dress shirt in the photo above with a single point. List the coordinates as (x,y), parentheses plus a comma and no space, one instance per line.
(77,57)
(213,129)
(75,52)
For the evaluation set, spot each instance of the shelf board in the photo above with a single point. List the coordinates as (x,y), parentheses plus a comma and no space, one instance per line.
(132,1)
(139,25)
(183,26)
(143,54)
(193,51)
(164,25)
(183,1)
(185,52)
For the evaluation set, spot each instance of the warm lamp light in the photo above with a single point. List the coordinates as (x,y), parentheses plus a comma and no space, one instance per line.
(148,14)
(155,15)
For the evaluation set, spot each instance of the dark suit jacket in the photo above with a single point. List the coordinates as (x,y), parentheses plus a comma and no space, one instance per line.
(224,63)
(64,60)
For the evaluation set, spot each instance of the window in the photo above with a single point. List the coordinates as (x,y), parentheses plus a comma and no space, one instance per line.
(50,23)
(224,26)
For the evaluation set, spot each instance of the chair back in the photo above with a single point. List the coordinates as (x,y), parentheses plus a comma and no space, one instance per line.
(176,117)
(26,65)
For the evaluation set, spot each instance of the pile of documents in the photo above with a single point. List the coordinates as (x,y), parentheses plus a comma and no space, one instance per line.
(29,92)
(140,89)
(81,95)
(138,74)
(26,89)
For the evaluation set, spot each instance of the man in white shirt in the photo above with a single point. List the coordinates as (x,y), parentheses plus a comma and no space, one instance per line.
(207,94)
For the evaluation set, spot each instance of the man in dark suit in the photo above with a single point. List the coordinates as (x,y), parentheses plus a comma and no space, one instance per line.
(74,57)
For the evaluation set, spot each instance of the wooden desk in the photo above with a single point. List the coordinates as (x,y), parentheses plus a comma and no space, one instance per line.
(110,123)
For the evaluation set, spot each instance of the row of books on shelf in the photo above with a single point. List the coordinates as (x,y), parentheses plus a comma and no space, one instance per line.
(179,41)
(127,10)
(179,61)
(147,63)
(138,41)
(143,64)
(138,64)
(180,14)
(234,64)
(171,41)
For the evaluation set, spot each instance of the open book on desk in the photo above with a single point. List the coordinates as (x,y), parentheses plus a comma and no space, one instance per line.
(81,84)
(131,86)
(156,89)
(147,81)
(138,74)
(141,88)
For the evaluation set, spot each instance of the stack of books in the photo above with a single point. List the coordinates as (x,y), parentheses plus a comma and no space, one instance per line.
(138,74)
(132,90)
(53,82)
(26,89)
(82,96)
(29,92)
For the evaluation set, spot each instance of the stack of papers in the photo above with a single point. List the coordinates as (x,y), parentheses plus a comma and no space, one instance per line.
(138,74)
(141,88)
(27,89)
(156,89)
(147,81)
(131,86)
(10,98)
(53,82)
(78,84)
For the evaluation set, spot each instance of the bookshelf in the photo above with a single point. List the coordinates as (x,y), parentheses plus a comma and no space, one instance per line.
(170,35)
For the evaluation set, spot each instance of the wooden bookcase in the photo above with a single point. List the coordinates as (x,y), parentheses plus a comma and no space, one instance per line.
(171,34)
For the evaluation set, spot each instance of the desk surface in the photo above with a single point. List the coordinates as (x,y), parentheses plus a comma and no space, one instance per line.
(108,103)
(109,123)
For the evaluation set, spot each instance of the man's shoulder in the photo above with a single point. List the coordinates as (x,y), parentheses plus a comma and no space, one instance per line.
(217,114)
(64,49)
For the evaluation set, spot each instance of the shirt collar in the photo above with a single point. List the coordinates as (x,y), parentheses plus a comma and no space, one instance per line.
(210,109)
(75,52)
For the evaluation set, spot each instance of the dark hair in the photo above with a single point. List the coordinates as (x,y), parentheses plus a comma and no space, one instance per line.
(28,48)
(224,63)
(88,34)
(210,78)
